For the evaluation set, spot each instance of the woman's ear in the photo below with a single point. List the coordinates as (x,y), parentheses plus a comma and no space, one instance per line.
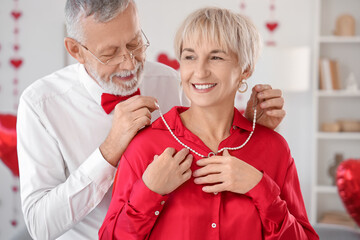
(247,73)
(73,48)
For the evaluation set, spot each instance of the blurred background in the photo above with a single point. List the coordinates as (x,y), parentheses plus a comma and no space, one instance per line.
(311,51)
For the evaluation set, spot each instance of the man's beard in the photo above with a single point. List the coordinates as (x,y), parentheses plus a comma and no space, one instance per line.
(119,87)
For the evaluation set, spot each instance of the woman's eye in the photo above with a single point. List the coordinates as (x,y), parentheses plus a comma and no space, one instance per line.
(216,58)
(188,57)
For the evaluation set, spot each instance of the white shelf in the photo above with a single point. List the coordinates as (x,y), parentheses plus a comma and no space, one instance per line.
(337,39)
(339,135)
(326,189)
(338,93)
(332,105)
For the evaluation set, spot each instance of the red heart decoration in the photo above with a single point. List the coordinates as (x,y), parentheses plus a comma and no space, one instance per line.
(13,223)
(348,183)
(272,26)
(16,14)
(8,153)
(16,62)
(163,58)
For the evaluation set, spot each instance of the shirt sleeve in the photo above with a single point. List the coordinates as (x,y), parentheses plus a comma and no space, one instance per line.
(53,200)
(134,208)
(282,211)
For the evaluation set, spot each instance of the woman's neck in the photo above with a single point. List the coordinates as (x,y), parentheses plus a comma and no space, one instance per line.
(211,125)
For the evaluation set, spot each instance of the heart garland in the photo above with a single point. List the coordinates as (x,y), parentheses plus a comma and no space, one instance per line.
(242,6)
(271,25)
(16,62)
(8,153)
(16,14)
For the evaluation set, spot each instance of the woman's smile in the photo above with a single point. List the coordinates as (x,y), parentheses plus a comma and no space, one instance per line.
(204,87)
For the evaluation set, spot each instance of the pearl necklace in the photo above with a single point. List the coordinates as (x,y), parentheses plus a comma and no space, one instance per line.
(210,153)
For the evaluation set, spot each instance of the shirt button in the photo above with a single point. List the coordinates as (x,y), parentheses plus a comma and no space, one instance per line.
(157,213)
(215,193)
(162,202)
(213,225)
(234,127)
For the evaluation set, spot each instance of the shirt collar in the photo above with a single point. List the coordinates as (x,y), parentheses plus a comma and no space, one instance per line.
(90,84)
(174,121)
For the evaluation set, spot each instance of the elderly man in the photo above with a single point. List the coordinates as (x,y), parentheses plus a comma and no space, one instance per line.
(74,124)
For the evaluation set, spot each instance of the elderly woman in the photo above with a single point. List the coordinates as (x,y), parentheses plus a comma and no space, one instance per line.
(215,175)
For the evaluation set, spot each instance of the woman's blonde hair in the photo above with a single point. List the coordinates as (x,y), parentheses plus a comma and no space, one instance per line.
(229,30)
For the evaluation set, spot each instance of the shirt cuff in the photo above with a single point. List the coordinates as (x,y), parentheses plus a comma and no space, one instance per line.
(264,193)
(97,169)
(146,201)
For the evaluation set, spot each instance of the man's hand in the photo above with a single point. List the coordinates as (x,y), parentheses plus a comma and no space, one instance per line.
(129,117)
(226,173)
(269,107)
(168,171)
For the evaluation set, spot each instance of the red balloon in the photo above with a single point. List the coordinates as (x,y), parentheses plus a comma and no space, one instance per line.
(348,183)
(163,58)
(8,153)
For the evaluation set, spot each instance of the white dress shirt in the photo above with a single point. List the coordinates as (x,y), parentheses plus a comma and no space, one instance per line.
(66,183)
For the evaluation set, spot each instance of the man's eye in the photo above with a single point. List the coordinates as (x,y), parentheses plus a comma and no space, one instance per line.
(134,45)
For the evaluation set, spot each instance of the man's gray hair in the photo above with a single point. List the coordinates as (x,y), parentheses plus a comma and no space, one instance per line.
(101,10)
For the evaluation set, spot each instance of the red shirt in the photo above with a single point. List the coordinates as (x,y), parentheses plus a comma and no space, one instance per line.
(273,209)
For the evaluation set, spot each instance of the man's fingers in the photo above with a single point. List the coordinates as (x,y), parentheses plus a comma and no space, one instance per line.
(136,102)
(276,103)
(270,93)
(278,113)
(142,112)
(261,87)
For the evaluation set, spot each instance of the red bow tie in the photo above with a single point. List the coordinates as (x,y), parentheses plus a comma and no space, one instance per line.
(109,101)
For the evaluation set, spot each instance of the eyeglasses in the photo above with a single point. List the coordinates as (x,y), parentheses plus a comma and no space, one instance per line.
(122,58)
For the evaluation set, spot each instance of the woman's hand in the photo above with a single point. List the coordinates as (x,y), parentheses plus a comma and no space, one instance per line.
(269,107)
(226,173)
(168,171)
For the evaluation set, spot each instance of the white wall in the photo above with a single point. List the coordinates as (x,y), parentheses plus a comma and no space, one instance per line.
(41,42)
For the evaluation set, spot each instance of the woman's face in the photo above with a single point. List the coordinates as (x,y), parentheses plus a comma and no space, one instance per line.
(210,75)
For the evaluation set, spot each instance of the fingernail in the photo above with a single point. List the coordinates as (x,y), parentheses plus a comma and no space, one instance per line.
(263,105)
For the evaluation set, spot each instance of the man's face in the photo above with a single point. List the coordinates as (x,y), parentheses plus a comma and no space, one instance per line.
(113,39)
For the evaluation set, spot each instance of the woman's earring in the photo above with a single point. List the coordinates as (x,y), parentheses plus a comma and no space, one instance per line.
(243,86)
